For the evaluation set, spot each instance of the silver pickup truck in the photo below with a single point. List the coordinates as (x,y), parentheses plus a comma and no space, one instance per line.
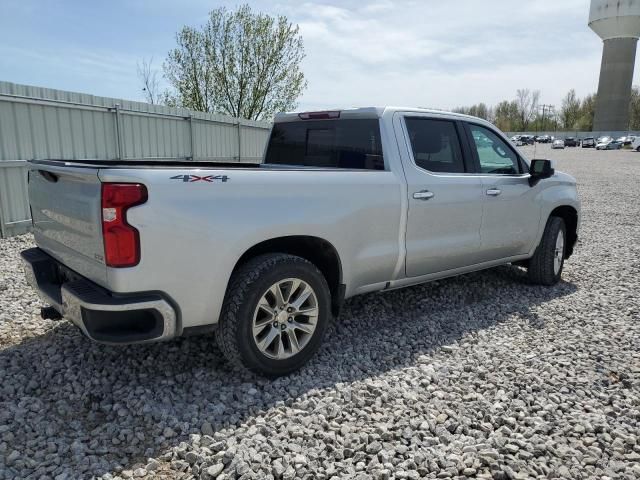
(345,202)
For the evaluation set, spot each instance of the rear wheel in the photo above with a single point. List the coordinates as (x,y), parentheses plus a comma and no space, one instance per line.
(545,267)
(275,314)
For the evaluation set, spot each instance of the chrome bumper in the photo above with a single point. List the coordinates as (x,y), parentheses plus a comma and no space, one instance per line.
(121,318)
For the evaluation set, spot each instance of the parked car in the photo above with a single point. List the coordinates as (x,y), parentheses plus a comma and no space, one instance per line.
(527,139)
(266,253)
(520,140)
(602,142)
(612,145)
(628,140)
(635,144)
(588,142)
(544,139)
(570,142)
(558,144)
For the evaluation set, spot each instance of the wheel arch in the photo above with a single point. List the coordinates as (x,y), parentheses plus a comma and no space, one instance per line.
(316,250)
(570,216)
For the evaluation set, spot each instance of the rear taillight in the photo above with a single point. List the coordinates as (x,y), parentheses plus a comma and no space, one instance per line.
(121,240)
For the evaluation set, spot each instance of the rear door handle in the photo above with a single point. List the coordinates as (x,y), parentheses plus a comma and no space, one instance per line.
(494,192)
(423,195)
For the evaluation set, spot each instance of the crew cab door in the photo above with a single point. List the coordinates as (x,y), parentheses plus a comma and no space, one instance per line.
(510,215)
(444,199)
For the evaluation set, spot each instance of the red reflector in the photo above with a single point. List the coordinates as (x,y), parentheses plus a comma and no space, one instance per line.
(121,240)
(319,115)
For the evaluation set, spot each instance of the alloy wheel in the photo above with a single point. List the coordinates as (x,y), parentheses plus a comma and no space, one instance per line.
(285,318)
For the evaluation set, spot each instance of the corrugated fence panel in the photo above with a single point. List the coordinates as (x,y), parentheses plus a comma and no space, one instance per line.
(41,123)
(30,131)
(215,141)
(14,202)
(152,137)
(254,142)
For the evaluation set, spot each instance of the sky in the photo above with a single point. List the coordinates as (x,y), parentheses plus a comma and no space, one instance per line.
(436,54)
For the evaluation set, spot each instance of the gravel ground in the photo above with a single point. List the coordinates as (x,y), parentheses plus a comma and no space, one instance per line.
(479,376)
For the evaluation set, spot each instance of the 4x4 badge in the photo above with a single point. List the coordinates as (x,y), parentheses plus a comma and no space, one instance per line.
(197,178)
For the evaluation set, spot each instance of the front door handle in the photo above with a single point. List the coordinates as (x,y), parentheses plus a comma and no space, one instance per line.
(494,192)
(423,195)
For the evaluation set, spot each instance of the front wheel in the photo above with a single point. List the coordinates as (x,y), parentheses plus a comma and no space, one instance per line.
(545,267)
(275,314)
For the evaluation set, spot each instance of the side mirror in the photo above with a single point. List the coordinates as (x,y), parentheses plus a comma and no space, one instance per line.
(540,169)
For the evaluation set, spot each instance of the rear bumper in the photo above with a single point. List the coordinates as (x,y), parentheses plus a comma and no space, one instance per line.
(103,316)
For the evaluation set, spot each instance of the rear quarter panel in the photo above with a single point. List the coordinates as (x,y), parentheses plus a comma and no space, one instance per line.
(193,233)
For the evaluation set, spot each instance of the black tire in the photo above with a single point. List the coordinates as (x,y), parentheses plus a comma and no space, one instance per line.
(541,265)
(246,287)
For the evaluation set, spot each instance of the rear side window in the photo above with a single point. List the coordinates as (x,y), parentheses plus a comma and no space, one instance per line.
(353,144)
(435,145)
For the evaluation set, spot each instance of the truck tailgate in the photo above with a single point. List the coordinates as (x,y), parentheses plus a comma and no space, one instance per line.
(67,217)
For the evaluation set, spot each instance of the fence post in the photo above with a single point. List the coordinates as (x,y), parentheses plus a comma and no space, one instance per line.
(191,138)
(239,142)
(3,233)
(118,132)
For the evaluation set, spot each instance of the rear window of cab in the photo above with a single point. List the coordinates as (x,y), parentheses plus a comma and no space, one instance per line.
(337,143)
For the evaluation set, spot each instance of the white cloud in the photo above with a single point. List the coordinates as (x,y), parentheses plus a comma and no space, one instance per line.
(443,54)
(376,52)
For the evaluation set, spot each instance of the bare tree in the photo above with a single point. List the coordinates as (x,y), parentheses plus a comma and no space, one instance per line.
(240,63)
(527,102)
(521,114)
(149,79)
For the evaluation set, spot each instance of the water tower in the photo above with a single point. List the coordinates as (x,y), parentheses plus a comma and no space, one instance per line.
(617,22)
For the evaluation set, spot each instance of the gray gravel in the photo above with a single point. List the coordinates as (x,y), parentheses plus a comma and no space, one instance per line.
(480,376)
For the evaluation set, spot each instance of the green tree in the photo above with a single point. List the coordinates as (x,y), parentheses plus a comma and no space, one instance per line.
(634,109)
(507,116)
(462,110)
(240,63)
(570,110)
(480,110)
(587,111)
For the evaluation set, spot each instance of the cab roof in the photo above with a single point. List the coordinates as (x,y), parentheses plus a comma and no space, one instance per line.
(362,112)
